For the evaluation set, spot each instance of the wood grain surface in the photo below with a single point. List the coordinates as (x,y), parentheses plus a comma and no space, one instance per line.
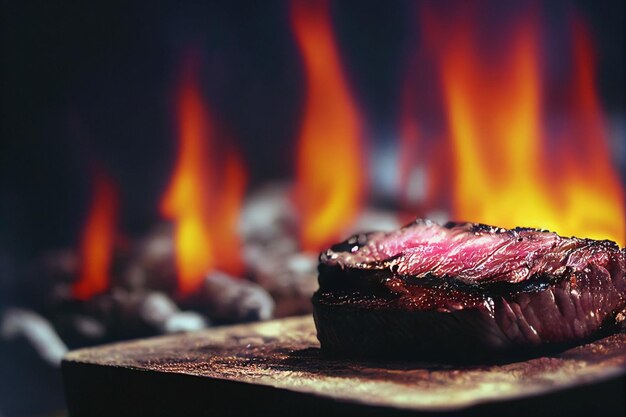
(276,367)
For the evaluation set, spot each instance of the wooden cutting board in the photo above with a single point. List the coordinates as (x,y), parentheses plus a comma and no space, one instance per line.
(276,368)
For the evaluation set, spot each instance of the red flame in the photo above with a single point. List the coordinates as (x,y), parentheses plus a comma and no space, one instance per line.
(330,183)
(503,171)
(97,240)
(205,193)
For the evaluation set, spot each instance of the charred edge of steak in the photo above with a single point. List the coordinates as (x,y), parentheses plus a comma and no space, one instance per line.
(371,310)
(333,278)
(458,337)
(481,228)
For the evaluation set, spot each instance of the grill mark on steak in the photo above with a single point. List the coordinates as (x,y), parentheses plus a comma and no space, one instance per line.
(434,289)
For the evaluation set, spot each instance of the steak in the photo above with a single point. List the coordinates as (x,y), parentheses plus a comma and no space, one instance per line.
(466,291)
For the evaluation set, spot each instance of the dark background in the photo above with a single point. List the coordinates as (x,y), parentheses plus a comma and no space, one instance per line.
(88,83)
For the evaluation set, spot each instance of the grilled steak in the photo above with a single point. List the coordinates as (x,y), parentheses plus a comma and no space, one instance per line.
(466,290)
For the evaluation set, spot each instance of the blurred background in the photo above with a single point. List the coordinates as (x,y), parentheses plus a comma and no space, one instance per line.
(170,166)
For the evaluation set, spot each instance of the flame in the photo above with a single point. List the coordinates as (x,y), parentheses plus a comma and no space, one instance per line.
(591,187)
(97,240)
(205,193)
(330,161)
(503,173)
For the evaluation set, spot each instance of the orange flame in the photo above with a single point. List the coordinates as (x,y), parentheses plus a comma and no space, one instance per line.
(502,172)
(590,184)
(330,184)
(205,193)
(97,240)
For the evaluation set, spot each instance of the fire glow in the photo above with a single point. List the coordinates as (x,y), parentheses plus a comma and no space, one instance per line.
(330,161)
(504,172)
(205,193)
(97,240)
